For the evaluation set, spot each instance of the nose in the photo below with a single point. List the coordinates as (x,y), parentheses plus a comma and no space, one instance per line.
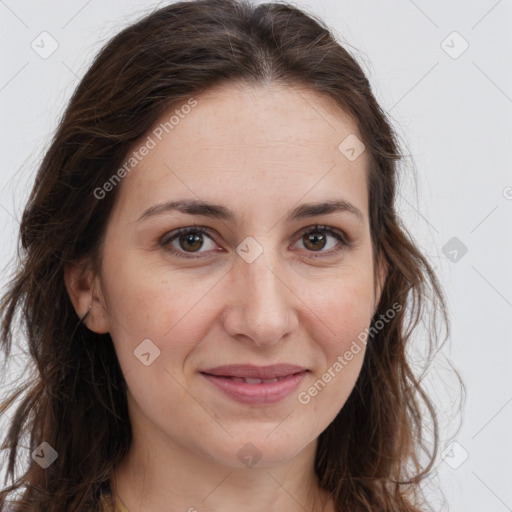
(261,305)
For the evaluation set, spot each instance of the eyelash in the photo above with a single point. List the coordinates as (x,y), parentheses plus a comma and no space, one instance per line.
(170,237)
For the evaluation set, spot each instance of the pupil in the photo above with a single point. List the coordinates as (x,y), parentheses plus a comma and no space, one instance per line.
(314,238)
(192,239)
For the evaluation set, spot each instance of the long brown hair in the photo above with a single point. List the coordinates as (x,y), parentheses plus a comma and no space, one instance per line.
(374,454)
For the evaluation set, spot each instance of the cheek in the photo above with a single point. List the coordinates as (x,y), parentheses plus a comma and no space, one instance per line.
(171,312)
(338,320)
(169,308)
(339,309)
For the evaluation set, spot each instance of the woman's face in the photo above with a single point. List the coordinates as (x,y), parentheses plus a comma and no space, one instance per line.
(261,286)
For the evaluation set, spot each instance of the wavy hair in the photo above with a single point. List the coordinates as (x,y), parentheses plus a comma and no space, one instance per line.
(374,454)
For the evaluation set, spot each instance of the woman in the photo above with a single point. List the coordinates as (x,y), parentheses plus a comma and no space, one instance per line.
(215,287)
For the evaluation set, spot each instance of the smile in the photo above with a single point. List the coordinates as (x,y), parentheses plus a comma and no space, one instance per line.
(256,391)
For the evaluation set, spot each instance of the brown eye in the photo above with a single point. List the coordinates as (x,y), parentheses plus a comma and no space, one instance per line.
(187,242)
(314,241)
(317,239)
(190,242)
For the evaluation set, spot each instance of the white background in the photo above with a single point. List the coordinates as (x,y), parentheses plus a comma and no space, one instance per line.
(454,116)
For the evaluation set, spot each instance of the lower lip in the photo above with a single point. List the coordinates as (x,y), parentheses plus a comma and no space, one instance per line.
(257,394)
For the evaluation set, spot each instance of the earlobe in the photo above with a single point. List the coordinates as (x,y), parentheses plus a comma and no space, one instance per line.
(85,294)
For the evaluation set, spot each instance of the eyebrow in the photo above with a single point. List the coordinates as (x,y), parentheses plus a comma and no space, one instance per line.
(216,211)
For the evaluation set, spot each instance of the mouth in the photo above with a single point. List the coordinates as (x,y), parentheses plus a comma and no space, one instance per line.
(249,371)
(256,385)
(249,380)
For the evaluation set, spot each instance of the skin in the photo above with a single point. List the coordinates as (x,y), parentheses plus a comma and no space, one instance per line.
(261,151)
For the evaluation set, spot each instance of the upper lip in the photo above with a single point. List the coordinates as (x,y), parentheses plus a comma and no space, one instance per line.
(255,372)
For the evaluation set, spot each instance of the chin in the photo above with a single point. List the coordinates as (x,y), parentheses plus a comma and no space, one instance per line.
(259,451)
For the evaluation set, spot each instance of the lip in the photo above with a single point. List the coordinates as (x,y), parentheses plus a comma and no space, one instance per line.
(250,371)
(229,380)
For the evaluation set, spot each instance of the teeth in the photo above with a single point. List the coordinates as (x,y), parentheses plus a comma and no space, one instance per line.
(250,380)
(253,381)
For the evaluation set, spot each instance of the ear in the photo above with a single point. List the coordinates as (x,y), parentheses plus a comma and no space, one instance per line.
(380,279)
(84,290)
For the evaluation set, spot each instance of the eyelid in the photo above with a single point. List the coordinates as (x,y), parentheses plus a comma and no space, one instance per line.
(344,241)
(174,234)
(328,229)
(340,235)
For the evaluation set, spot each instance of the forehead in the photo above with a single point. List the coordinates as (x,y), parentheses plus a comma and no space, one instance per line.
(245,143)
(240,116)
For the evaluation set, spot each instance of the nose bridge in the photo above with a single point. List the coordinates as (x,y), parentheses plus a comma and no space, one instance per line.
(261,310)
